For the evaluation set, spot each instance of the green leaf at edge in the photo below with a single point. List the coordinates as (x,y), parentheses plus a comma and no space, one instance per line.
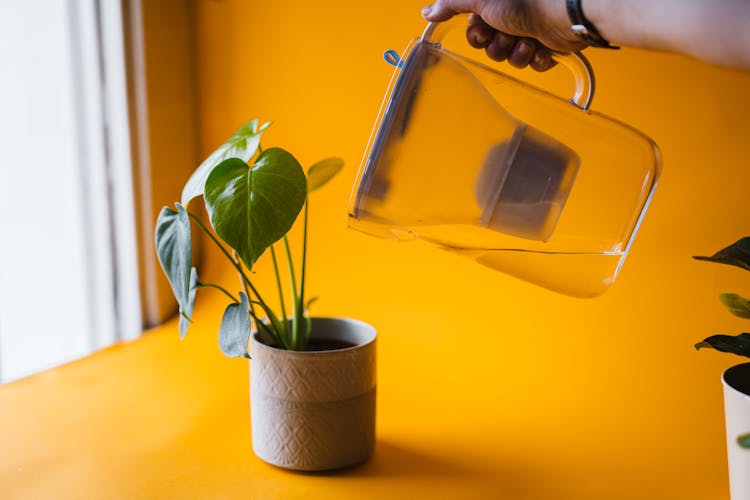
(186,315)
(739,344)
(234,332)
(174,250)
(311,302)
(253,207)
(744,440)
(737,305)
(323,171)
(243,144)
(736,254)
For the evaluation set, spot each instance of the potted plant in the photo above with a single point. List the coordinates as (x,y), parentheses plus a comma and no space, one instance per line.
(736,380)
(312,380)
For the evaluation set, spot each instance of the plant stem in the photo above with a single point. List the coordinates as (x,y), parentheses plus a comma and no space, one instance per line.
(277,326)
(293,281)
(281,293)
(237,262)
(269,331)
(211,285)
(237,265)
(301,304)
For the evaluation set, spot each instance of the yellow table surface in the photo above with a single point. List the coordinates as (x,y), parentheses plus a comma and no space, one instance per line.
(487,387)
(161,418)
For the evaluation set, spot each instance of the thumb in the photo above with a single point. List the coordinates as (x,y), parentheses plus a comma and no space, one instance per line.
(442,10)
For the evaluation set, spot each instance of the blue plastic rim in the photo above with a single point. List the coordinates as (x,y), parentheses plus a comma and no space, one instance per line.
(392,58)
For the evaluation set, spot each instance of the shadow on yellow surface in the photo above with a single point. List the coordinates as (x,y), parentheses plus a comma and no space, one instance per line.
(511,388)
(162,418)
(487,387)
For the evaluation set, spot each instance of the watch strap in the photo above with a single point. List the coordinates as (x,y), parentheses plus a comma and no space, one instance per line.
(583,28)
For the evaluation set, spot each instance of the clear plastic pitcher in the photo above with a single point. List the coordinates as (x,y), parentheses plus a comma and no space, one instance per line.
(481,164)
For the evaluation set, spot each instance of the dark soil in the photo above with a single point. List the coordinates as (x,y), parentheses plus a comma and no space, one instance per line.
(739,377)
(328,345)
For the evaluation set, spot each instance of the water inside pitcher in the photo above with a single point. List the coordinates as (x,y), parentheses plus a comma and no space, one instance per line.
(481,164)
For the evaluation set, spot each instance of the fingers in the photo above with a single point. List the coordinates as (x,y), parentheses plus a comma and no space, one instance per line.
(478,33)
(501,46)
(520,52)
(542,60)
(442,10)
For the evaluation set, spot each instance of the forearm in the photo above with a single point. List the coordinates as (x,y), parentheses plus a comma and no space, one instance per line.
(716,31)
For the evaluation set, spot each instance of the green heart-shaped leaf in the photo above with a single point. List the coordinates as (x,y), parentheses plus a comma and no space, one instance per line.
(737,305)
(243,144)
(322,172)
(253,207)
(234,331)
(174,249)
(736,254)
(739,344)
(187,314)
(744,440)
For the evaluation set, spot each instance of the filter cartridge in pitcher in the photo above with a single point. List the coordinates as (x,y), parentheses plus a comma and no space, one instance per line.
(524,183)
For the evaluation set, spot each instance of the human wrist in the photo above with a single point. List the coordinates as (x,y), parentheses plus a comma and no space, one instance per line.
(553,21)
(583,27)
(638,23)
(553,12)
(602,14)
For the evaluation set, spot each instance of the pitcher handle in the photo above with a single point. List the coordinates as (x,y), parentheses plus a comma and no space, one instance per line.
(575,62)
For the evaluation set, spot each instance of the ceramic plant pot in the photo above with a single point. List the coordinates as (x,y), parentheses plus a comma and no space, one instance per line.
(315,410)
(736,382)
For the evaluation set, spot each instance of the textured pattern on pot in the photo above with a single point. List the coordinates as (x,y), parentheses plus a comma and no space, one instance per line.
(315,410)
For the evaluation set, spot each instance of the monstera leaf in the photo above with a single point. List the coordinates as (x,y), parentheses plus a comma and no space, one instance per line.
(234,331)
(736,254)
(739,344)
(187,313)
(322,172)
(174,249)
(243,145)
(253,207)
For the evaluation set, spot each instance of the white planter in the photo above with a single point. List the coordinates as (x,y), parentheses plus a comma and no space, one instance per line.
(736,382)
(315,410)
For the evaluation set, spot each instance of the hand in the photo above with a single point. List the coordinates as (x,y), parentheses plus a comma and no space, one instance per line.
(521,31)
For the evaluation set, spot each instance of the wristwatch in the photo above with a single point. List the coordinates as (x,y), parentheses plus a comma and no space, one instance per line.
(583,28)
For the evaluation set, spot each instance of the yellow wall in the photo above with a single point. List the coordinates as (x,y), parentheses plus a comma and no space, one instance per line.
(608,388)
